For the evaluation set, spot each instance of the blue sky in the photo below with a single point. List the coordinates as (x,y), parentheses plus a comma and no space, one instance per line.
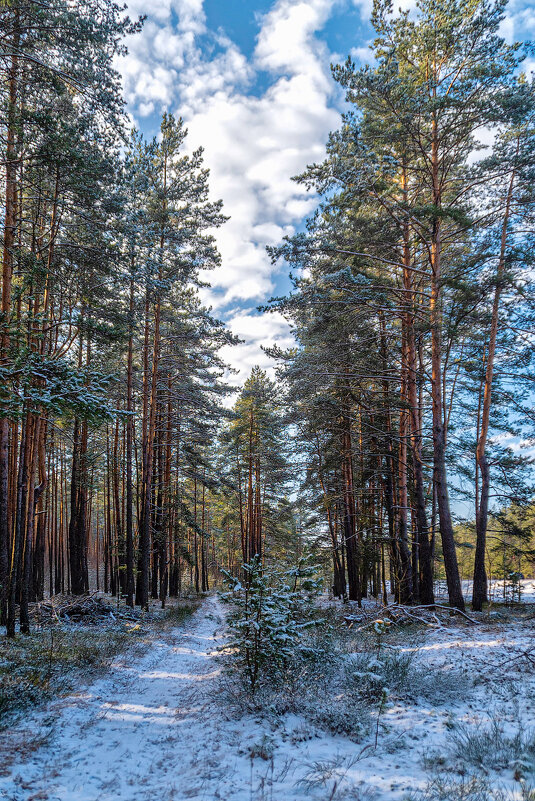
(252,80)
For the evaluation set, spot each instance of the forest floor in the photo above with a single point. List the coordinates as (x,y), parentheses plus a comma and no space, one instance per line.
(165,723)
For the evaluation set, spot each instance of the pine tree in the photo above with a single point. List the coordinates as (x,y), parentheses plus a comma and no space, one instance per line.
(255,447)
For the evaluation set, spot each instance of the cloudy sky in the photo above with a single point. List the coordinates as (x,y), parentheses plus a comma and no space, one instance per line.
(252,80)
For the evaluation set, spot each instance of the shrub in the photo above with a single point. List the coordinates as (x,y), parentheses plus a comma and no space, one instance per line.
(471,788)
(269,610)
(445,788)
(341,718)
(369,676)
(36,667)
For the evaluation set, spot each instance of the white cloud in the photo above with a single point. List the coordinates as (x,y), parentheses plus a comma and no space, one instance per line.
(286,40)
(190,13)
(519,22)
(366,6)
(253,145)
(362,55)
(507,29)
(256,331)
(254,141)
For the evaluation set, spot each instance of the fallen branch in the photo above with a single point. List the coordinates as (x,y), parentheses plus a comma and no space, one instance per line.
(397,614)
(88,608)
(452,609)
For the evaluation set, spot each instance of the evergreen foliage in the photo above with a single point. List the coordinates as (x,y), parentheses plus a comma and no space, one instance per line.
(269,609)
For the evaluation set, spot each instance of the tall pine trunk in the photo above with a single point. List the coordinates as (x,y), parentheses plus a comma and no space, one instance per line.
(129,533)
(480,589)
(423,572)
(451,566)
(10,227)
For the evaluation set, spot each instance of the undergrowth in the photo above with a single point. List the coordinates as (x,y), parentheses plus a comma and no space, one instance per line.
(342,680)
(51,661)
(177,614)
(487,745)
(470,788)
(56,659)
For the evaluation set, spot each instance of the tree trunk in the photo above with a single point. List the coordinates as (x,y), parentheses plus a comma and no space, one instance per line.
(10,227)
(129,534)
(349,521)
(451,566)
(480,589)
(424,576)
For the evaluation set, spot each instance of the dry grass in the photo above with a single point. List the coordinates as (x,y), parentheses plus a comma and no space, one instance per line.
(57,658)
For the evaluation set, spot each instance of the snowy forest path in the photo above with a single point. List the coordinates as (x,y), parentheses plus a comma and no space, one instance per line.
(140,732)
(162,725)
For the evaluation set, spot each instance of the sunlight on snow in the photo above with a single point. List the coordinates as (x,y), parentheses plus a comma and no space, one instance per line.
(157,674)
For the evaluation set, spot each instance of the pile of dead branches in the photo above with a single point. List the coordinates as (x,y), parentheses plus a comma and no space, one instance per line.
(435,615)
(80,609)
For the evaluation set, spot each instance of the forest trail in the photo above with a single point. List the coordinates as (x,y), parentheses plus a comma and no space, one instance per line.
(154,729)
(159,726)
(141,732)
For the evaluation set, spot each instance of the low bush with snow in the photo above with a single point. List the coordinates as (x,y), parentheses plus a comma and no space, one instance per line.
(269,611)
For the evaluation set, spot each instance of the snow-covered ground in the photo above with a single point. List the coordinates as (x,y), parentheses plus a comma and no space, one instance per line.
(500,590)
(154,727)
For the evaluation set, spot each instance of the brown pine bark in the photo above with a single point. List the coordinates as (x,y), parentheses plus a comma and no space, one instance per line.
(405,579)
(424,574)
(10,228)
(117,511)
(349,513)
(79,578)
(480,589)
(129,533)
(142,584)
(250,498)
(339,587)
(451,566)
(29,521)
(20,511)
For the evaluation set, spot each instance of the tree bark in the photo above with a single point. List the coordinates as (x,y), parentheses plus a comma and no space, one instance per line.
(10,227)
(479,588)
(451,566)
